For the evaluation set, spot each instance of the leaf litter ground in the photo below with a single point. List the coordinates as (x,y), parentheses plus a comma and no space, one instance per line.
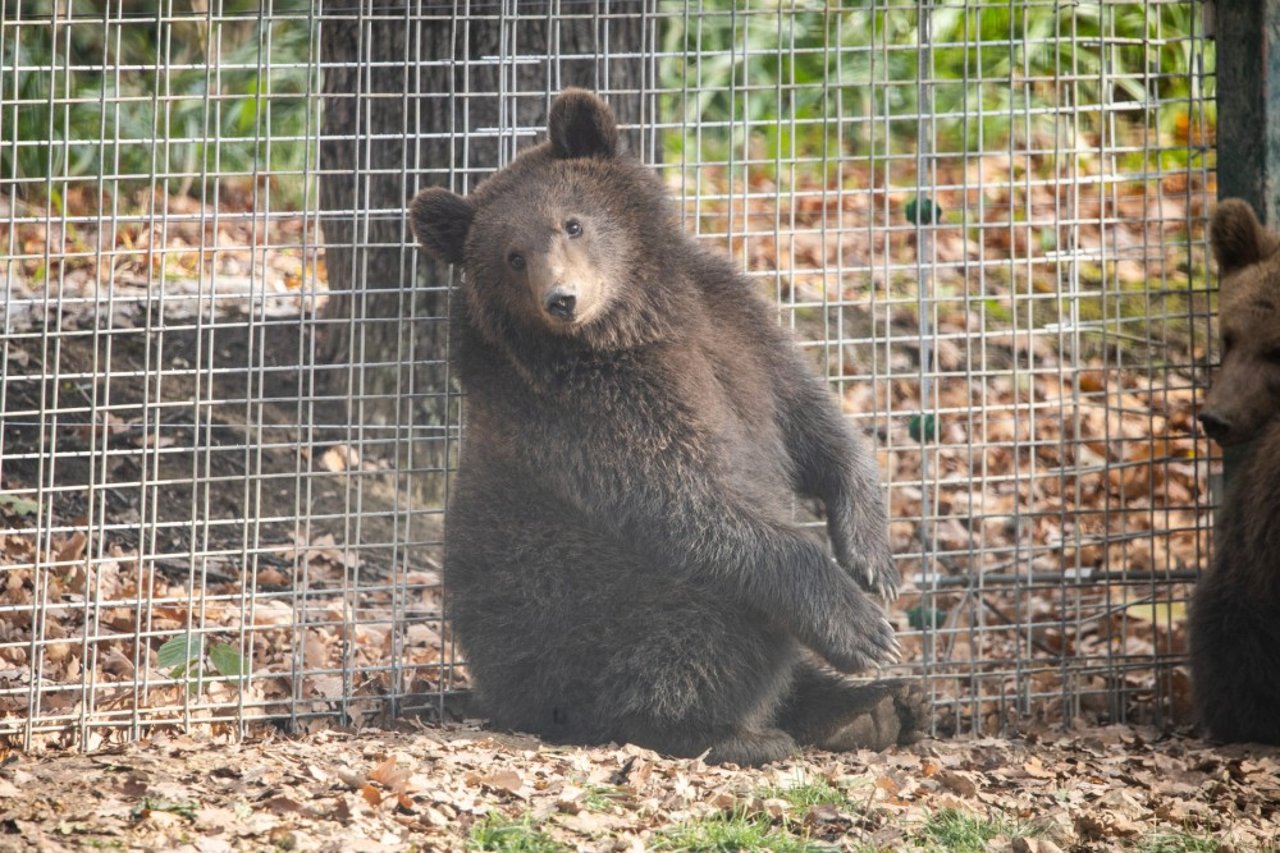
(1110,788)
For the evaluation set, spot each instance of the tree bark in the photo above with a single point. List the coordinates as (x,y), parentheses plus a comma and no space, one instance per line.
(421,93)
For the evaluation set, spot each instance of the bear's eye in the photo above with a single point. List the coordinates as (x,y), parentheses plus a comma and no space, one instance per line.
(1273,355)
(1228,341)
(516,261)
(573,228)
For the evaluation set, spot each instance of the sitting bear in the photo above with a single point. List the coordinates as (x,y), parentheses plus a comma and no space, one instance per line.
(1234,620)
(621,559)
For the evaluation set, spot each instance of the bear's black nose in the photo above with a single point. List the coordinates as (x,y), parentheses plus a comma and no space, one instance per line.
(1214,426)
(560,304)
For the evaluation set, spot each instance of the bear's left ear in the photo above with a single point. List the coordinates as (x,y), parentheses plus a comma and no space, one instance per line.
(1237,237)
(582,125)
(441,221)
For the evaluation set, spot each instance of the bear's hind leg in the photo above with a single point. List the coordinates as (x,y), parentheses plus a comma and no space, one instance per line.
(827,711)
(698,677)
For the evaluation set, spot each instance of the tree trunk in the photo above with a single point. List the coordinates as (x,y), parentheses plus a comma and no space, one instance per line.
(427,93)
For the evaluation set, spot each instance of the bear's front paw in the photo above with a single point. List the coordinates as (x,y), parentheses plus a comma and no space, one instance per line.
(869,563)
(858,638)
(883,574)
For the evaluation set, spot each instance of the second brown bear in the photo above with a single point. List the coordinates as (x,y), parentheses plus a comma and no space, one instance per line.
(1234,622)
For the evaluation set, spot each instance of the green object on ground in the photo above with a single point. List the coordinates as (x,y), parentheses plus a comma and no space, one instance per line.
(923,427)
(923,210)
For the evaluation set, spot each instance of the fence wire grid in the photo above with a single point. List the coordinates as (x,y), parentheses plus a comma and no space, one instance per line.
(226,415)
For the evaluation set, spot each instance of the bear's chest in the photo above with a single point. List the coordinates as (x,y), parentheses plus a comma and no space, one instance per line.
(684,400)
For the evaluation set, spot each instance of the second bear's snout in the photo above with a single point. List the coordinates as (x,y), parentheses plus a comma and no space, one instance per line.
(1214,426)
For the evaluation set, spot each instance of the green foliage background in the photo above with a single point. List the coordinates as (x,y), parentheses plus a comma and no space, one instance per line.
(800,79)
(986,66)
(230,98)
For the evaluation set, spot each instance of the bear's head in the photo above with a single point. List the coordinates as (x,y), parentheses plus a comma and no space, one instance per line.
(567,241)
(1245,395)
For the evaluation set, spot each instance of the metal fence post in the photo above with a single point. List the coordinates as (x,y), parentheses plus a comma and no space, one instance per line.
(1248,93)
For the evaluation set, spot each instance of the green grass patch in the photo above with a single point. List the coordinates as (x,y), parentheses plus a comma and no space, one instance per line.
(159,804)
(599,798)
(1177,842)
(737,830)
(957,831)
(511,835)
(811,793)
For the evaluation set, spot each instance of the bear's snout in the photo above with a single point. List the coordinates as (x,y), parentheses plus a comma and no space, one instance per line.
(560,303)
(1215,426)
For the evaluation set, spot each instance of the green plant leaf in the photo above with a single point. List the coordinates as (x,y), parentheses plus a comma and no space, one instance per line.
(227,660)
(19,506)
(179,651)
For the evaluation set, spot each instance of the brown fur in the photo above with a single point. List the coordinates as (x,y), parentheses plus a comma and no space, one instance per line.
(1246,391)
(621,561)
(1235,612)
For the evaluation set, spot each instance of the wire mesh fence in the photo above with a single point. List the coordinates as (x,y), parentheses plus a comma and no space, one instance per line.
(226,413)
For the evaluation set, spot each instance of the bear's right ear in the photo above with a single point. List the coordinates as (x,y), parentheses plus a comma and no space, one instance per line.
(582,125)
(441,221)
(1237,238)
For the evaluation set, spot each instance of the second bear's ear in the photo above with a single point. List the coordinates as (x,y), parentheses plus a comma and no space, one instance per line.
(1237,238)
(582,125)
(441,220)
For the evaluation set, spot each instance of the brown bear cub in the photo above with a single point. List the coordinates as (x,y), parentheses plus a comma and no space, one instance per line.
(621,560)
(1235,611)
